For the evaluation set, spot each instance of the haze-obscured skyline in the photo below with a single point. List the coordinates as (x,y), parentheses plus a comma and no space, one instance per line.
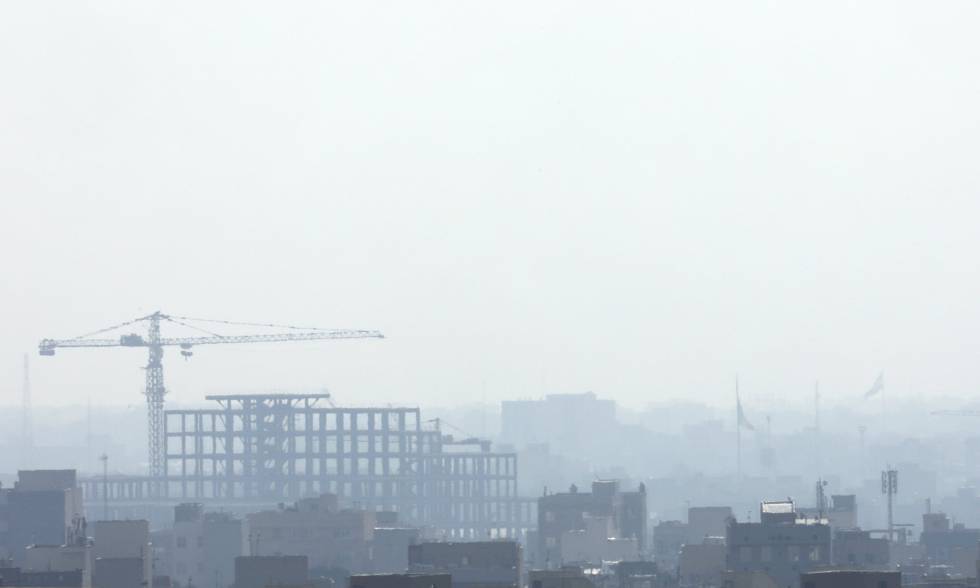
(637,200)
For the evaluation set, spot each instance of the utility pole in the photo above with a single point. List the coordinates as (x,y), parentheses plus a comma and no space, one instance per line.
(105,486)
(889,487)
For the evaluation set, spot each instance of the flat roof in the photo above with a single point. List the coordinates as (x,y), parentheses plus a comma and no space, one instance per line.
(264,396)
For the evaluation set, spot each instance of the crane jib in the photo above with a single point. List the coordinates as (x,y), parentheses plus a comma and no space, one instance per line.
(155,389)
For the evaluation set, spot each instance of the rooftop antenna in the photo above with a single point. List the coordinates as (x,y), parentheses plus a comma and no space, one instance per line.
(27,424)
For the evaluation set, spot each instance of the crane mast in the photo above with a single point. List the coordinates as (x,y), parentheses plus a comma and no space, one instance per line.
(155,390)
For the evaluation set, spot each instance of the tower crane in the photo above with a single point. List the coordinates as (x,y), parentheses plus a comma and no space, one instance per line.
(154,342)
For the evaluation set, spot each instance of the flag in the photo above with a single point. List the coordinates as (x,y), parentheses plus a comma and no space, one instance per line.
(877,387)
(742,421)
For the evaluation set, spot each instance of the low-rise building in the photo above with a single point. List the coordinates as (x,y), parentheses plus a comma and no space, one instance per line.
(119,543)
(780,545)
(702,564)
(316,528)
(41,509)
(855,549)
(562,512)
(565,577)
(706,521)
(268,571)
(851,579)
(597,543)
(477,564)
(389,549)
(668,539)
(401,581)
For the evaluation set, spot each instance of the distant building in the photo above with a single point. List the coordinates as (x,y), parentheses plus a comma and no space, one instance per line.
(478,564)
(318,529)
(558,419)
(18,578)
(843,512)
(119,572)
(41,509)
(702,564)
(597,543)
(401,581)
(389,549)
(668,539)
(267,571)
(566,577)
(779,546)
(954,546)
(117,545)
(563,512)
(69,559)
(856,550)
(851,579)
(707,521)
(203,546)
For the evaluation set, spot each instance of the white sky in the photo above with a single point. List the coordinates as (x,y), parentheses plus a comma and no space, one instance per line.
(640,199)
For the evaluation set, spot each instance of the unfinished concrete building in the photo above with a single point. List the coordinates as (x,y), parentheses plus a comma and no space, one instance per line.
(267,448)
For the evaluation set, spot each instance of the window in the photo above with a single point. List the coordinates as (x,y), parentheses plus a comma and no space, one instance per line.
(815,553)
(766,553)
(794,553)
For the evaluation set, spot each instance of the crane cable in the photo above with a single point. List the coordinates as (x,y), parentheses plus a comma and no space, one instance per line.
(243,324)
(107,329)
(171,319)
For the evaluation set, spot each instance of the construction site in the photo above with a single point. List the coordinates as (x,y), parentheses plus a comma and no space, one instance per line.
(253,450)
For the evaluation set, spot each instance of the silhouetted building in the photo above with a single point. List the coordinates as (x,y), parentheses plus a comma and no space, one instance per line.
(401,581)
(857,549)
(568,511)
(702,564)
(851,579)
(707,521)
(40,509)
(483,564)
(779,546)
(954,546)
(668,539)
(389,549)
(119,572)
(267,571)
(318,529)
(566,577)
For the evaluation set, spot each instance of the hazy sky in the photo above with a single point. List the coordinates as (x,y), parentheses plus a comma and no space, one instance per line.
(640,199)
